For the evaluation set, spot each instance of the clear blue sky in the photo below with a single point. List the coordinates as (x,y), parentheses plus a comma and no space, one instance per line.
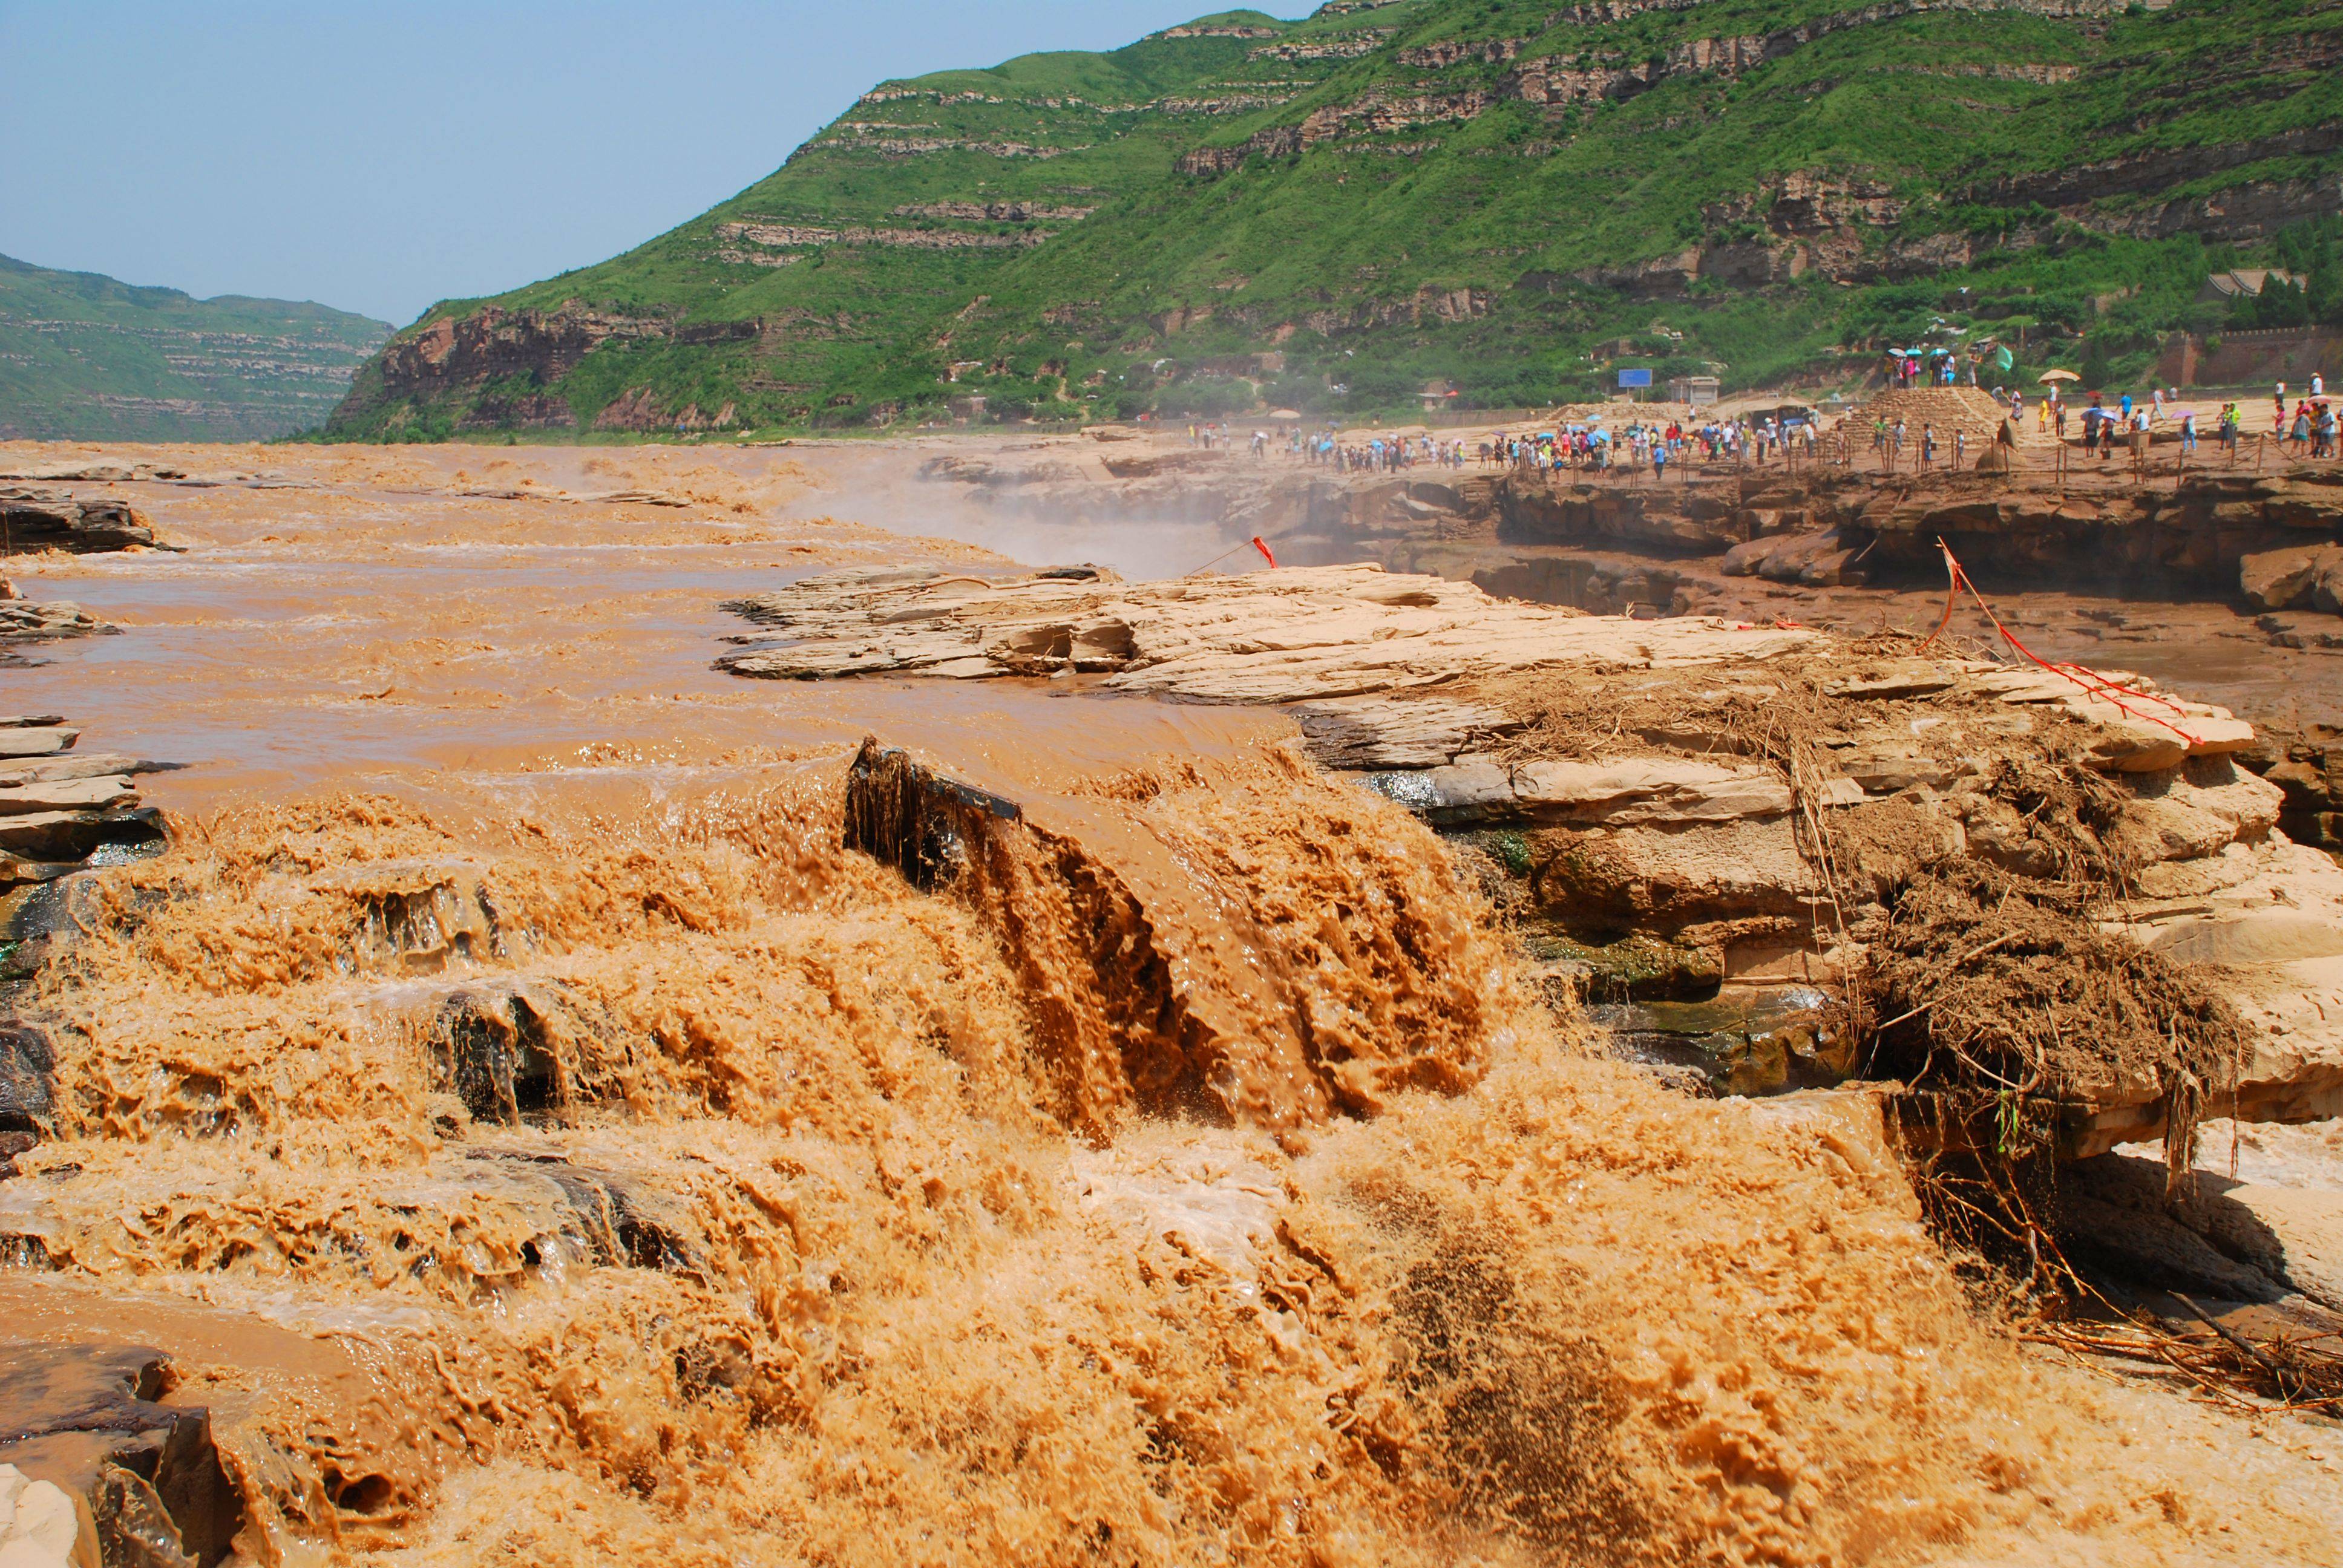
(379,156)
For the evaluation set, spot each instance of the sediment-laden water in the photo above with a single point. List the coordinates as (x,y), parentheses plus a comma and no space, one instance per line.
(538,1140)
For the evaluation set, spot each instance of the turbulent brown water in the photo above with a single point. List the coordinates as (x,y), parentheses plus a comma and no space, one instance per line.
(848,1224)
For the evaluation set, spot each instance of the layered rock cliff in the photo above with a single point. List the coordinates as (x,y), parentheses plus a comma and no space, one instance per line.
(1500,195)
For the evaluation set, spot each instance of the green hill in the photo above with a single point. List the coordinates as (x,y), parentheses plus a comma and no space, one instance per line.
(85,357)
(1499,194)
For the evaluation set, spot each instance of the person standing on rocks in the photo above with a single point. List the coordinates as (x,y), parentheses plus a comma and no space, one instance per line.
(2325,445)
(2188,432)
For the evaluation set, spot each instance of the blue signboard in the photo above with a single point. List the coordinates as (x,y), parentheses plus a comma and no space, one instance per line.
(1635,378)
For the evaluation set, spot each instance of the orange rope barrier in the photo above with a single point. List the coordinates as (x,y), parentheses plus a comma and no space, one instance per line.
(2090,680)
(1253,543)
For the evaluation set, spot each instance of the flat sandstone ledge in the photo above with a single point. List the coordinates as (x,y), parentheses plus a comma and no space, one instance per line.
(1659,816)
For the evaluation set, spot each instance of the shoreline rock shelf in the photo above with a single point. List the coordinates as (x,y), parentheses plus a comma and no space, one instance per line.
(32,521)
(26,621)
(60,807)
(1709,808)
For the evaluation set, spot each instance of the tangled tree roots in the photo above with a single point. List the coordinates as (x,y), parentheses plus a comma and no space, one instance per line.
(1979,980)
(1999,1003)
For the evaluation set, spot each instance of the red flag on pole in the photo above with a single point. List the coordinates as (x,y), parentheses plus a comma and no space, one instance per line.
(1263,549)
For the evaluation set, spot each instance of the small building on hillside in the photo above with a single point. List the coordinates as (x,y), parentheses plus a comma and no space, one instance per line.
(1438,394)
(1699,391)
(2245,283)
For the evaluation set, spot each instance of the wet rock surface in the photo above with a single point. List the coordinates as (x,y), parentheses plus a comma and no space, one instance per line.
(33,520)
(59,809)
(86,1419)
(27,1098)
(1673,834)
(25,621)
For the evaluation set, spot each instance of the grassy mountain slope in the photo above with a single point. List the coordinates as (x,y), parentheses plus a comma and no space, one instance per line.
(1503,192)
(82,357)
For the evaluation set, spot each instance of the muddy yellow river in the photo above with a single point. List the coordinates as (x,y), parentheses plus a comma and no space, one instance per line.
(537,1140)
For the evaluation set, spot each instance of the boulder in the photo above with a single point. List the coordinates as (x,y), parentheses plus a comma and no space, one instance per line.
(1473,789)
(45,521)
(488,1048)
(2281,579)
(1656,880)
(46,740)
(2235,1236)
(906,814)
(86,1419)
(1812,560)
(1647,790)
(99,794)
(27,1065)
(2302,786)
(2167,828)
(51,836)
(616,1219)
(22,620)
(415,915)
(1367,732)
(2216,787)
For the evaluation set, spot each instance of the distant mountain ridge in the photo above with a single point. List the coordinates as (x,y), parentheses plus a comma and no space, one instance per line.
(84,356)
(1507,197)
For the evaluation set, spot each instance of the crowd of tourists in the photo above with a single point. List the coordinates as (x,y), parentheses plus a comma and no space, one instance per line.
(2308,429)
(1375,454)
(1648,444)
(1575,445)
